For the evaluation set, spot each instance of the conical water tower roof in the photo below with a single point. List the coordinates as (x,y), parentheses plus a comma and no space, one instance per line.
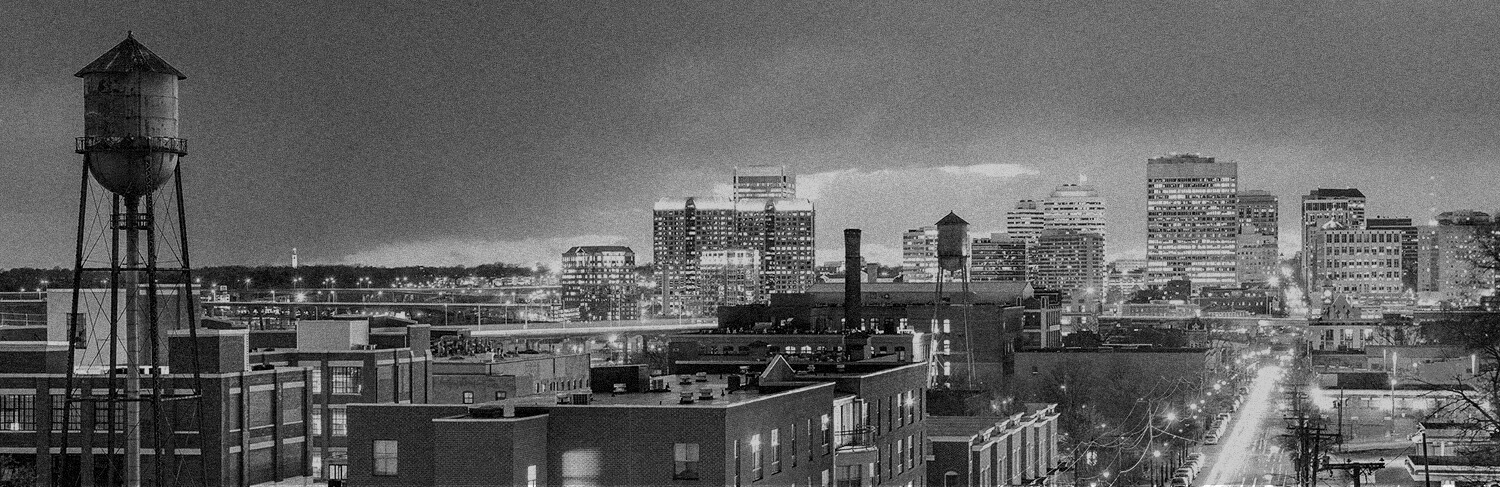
(130,56)
(952,219)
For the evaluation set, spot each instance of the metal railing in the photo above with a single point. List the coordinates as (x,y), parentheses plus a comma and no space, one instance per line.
(130,143)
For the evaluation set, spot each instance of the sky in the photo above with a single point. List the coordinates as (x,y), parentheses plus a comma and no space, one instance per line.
(443,133)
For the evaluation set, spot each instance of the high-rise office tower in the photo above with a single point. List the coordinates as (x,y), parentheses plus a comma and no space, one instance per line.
(764,182)
(1074,207)
(1255,256)
(1191,220)
(919,262)
(1446,254)
(780,230)
(1346,207)
(599,281)
(998,257)
(1070,261)
(1409,246)
(1257,245)
(1025,221)
(1358,263)
(1261,209)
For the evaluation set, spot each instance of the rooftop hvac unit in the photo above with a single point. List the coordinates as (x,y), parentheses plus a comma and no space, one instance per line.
(686,397)
(564,398)
(659,384)
(619,388)
(684,379)
(839,367)
(702,377)
(706,393)
(581,397)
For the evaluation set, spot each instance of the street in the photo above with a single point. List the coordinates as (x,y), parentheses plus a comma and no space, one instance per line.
(1249,454)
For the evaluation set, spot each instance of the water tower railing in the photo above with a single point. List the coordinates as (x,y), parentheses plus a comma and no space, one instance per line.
(130,143)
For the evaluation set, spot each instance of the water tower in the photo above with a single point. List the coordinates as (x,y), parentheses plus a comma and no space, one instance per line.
(953,259)
(130,147)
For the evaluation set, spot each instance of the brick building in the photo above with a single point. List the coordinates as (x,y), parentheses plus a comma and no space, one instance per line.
(346,365)
(779,427)
(1017,449)
(253,424)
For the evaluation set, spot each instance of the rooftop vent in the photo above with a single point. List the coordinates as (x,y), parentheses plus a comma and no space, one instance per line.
(582,397)
(703,376)
(564,398)
(686,397)
(706,393)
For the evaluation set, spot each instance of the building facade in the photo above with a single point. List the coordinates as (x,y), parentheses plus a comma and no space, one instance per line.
(1446,257)
(252,429)
(1360,263)
(780,230)
(1074,207)
(1025,221)
(600,282)
(1258,242)
(1070,261)
(919,262)
(1344,207)
(776,425)
(1409,246)
(764,182)
(1191,220)
(998,257)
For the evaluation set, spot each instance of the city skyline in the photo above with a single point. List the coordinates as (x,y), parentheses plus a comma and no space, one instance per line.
(559,125)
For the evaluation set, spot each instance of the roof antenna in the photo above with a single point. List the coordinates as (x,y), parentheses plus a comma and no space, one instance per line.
(129,34)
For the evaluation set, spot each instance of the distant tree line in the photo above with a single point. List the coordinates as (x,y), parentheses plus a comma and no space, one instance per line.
(309,276)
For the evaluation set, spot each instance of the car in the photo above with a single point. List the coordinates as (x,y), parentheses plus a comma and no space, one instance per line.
(1185,472)
(1211,439)
(1195,456)
(1179,482)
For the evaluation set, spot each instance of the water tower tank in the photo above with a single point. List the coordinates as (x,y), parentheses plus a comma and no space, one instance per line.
(952,245)
(130,119)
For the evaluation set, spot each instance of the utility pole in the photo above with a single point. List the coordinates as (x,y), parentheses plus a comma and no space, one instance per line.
(1356,469)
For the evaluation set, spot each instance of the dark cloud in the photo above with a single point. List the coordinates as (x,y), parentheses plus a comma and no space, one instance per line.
(351,129)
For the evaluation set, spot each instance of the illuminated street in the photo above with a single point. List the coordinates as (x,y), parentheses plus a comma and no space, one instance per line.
(1248,455)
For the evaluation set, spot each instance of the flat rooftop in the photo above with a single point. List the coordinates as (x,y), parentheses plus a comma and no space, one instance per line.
(670,397)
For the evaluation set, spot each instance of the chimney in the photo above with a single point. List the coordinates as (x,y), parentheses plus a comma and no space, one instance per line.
(852,304)
(872,272)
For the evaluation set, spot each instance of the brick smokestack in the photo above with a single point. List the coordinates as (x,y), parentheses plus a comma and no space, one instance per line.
(852,305)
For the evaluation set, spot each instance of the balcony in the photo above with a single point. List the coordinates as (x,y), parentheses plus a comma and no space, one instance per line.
(856,446)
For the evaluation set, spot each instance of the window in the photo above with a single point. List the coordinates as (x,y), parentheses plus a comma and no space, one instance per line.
(827,436)
(851,475)
(686,461)
(499,395)
(316,377)
(793,436)
(531,476)
(316,418)
(73,414)
(317,464)
(737,463)
(17,412)
(775,451)
(338,422)
(758,461)
(346,380)
(385,457)
(468,397)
